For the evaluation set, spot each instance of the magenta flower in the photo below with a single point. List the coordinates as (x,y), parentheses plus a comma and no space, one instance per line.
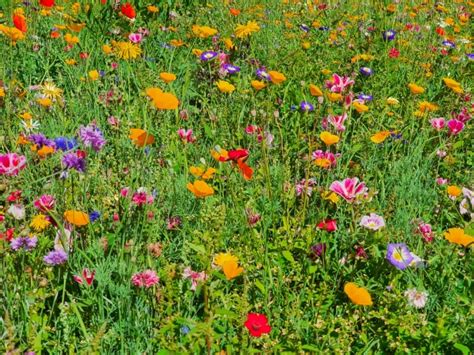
(325,159)
(146,279)
(194,276)
(135,37)
(349,188)
(45,203)
(455,126)
(305,187)
(438,123)
(141,197)
(186,135)
(399,255)
(373,222)
(11,164)
(338,83)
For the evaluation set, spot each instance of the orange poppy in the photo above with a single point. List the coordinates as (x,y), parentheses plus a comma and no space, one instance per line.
(358,295)
(458,236)
(246,170)
(380,137)
(231,269)
(328,138)
(141,137)
(76,218)
(200,189)
(162,100)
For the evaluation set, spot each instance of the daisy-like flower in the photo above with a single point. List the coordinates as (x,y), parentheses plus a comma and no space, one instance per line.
(399,255)
(208,55)
(40,222)
(50,90)
(243,31)
(373,222)
(416,298)
(127,50)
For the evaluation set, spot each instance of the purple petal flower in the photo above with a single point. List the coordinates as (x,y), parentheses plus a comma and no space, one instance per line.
(374,222)
(399,255)
(26,243)
(91,136)
(73,161)
(208,55)
(55,257)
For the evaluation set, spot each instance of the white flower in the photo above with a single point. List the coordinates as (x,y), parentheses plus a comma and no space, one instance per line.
(17,211)
(416,298)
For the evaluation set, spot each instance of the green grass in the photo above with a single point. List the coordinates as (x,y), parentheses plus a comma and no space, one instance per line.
(44,310)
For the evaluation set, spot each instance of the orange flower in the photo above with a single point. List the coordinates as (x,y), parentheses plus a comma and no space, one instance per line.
(162,100)
(225,87)
(453,85)
(141,137)
(360,107)
(200,189)
(199,172)
(76,218)
(328,138)
(276,77)
(416,89)
(167,77)
(334,96)
(220,154)
(177,43)
(453,191)
(457,236)
(45,150)
(358,295)
(380,137)
(315,91)
(234,12)
(231,269)
(258,85)
(246,170)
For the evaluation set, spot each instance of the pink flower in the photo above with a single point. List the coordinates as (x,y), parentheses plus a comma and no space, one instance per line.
(455,126)
(305,186)
(186,135)
(349,188)
(124,191)
(11,164)
(135,37)
(338,121)
(145,278)
(438,123)
(87,276)
(325,159)
(339,83)
(426,232)
(194,276)
(463,116)
(441,181)
(141,197)
(45,203)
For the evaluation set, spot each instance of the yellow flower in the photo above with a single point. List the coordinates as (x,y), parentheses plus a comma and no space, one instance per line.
(13,33)
(71,61)
(360,107)
(197,52)
(203,174)
(425,106)
(328,138)
(225,86)
(126,50)
(334,96)
(222,258)
(416,89)
(39,222)
(315,91)
(200,189)
(231,270)
(276,77)
(330,196)
(246,30)
(380,137)
(176,43)
(45,102)
(453,85)
(392,101)
(258,85)
(50,90)
(229,44)
(203,31)
(167,77)
(93,75)
(458,236)
(306,45)
(76,218)
(453,191)
(26,116)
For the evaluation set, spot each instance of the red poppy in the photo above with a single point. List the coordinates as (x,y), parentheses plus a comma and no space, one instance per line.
(20,23)
(128,10)
(329,225)
(246,170)
(46,3)
(238,154)
(257,324)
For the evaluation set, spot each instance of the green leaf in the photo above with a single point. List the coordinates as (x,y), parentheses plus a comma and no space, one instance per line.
(312,269)
(288,256)
(260,286)
(458,144)
(310,348)
(197,248)
(462,348)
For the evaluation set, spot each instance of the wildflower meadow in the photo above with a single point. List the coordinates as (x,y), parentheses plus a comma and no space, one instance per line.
(236,177)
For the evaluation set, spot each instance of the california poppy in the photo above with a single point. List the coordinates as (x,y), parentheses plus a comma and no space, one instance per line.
(19,22)
(328,138)
(380,137)
(358,295)
(458,236)
(76,218)
(231,269)
(200,189)
(141,137)
(162,100)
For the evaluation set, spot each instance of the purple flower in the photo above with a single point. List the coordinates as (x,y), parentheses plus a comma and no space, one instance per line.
(470,56)
(366,71)
(208,55)
(374,222)
(262,74)
(26,243)
(40,140)
(73,161)
(91,136)
(304,28)
(231,69)
(399,255)
(365,97)
(389,35)
(449,44)
(64,143)
(306,106)
(318,250)
(55,257)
